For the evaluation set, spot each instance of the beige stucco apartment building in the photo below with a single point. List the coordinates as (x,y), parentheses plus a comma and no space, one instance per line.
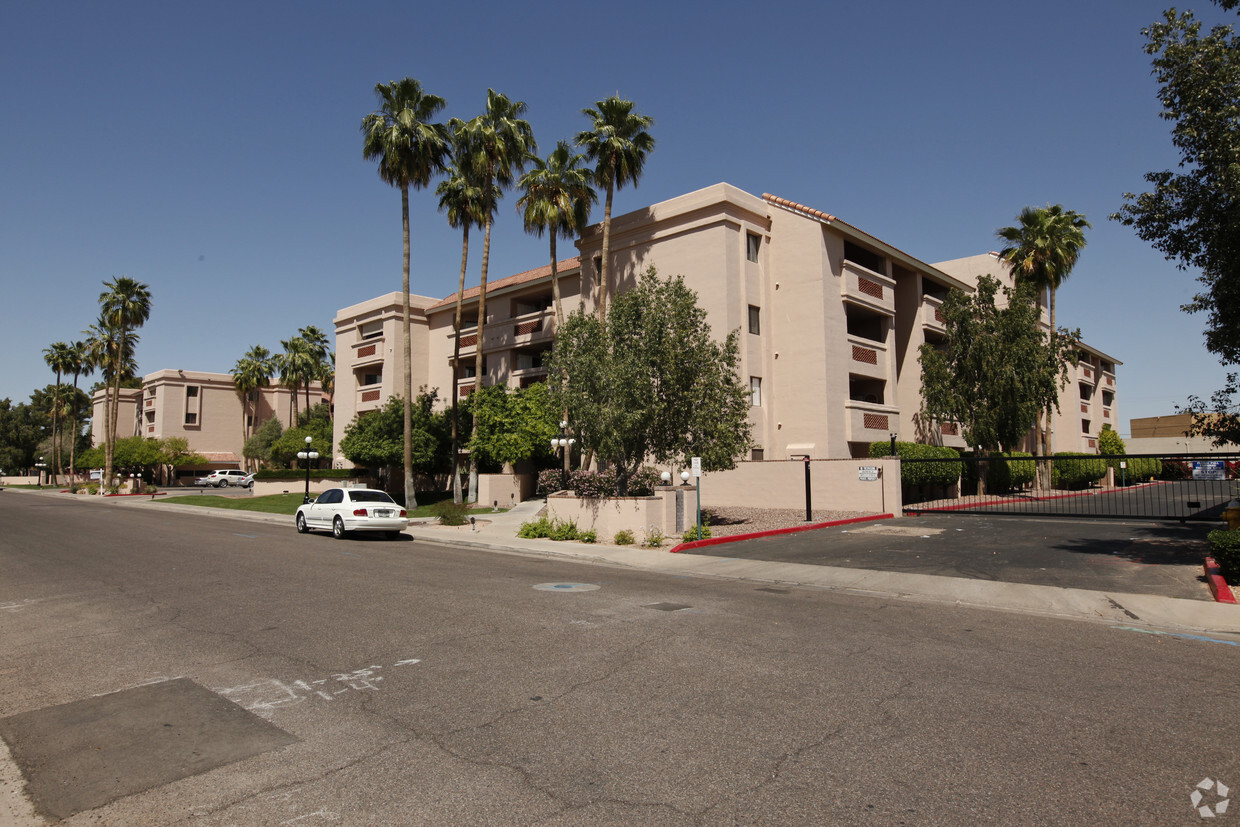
(204,408)
(831,317)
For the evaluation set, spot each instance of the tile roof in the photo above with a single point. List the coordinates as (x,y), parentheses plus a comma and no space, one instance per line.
(801,208)
(512,281)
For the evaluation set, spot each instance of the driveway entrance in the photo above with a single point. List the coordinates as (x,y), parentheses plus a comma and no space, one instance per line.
(1162,559)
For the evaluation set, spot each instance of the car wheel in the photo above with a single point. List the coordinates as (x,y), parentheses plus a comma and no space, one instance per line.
(338,528)
(302,528)
(221,483)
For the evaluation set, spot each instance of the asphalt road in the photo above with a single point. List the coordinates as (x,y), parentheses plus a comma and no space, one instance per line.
(407,683)
(1138,557)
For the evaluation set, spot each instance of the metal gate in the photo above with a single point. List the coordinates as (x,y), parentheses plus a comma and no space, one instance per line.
(1179,487)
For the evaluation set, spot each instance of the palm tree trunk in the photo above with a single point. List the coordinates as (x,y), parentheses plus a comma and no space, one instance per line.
(555,286)
(73,440)
(456,358)
(604,268)
(478,356)
(1050,427)
(55,422)
(411,501)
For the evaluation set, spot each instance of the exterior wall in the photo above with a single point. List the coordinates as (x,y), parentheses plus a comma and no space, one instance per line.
(368,346)
(834,485)
(669,513)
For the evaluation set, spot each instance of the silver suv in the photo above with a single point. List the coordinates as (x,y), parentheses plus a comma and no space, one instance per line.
(226,477)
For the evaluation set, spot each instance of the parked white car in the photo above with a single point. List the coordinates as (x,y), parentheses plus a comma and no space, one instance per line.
(226,477)
(345,510)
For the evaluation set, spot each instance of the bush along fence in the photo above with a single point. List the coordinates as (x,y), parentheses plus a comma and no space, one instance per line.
(1179,487)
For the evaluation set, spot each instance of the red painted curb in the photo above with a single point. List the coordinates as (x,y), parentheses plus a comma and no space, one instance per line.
(1218,586)
(715,541)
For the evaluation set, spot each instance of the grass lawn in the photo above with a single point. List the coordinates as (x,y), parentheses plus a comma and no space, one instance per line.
(287,503)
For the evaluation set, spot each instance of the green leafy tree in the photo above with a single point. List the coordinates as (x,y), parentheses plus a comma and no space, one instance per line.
(257,448)
(1042,248)
(285,449)
(409,149)
(996,371)
(652,383)
(1110,442)
(374,439)
(512,425)
(21,430)
(618,143)
(174,452)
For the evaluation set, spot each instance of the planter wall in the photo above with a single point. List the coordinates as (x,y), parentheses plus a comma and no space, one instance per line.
(666,511)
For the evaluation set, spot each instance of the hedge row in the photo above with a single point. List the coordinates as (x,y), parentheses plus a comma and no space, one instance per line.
(294,474)
(1138,470)
(1072,469)
(1007,471)
(1225,549)
(922,473)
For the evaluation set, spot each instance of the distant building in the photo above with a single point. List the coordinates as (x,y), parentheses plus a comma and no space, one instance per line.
(204,408)
(1166,435)
(831,320)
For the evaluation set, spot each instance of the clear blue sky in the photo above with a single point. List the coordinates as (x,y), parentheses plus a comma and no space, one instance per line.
(213,150)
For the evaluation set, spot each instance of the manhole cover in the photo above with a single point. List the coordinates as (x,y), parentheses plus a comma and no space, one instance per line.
(82,755)
(566,587)
(666,607)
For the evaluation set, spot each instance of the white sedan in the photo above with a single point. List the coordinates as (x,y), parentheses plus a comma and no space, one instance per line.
(353,509)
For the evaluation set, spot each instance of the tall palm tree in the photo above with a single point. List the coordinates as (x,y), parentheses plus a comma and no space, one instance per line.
(499,143)
(618,144)
(1042,249)
(113,354)
(409,149)
(251,373)
(317,349)
(297,366)
(460,197)
(59,357)
(124,306)
(557,196)
(80,364)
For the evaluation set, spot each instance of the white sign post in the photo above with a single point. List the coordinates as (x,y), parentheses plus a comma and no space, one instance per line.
(695,467)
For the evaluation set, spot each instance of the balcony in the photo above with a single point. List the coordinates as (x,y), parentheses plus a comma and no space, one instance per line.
(368,352)
(869,422)
(1088,373)
(867,357)
(505,334)
(932,314)
(369,397)
(868,289)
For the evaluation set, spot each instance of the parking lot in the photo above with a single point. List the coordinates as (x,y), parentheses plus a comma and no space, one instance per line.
(1102,555)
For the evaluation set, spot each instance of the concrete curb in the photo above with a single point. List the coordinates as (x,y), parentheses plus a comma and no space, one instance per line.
(1218,586)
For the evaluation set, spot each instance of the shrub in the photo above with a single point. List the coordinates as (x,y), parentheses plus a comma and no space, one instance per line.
(535,529)
(922,473)
(643,481)
(300,473)
(593,483)
(623,537)
(1109,442)
(149,489)
(654,537)
(1072,469)
(590,536)
(1138,470)
(551,480)
(1175,470)
(1006,471)
(451,513)
(1225,549)
(691,533)
(563,530)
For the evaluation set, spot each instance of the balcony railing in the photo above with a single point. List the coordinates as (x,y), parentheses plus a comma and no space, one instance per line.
(932,314)
(867,288)
(870,422)
(867,357)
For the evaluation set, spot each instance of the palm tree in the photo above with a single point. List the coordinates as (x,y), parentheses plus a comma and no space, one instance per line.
(499,142)
(558,194)
(59,358)
(297,366)
(317,348)
(1042,249)
(252,372)
(409,149)
(80,364)
(460,196)
(124,307)
(618,144)
(113,355)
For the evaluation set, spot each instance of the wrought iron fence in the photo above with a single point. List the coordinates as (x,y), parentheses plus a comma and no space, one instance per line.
(1179,487)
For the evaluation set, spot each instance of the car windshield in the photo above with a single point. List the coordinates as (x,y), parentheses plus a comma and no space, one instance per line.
(370,497)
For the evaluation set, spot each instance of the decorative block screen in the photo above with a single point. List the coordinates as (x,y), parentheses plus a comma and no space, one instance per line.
(864,354)
(875,422)
(870,288)
(370,396)
(363,352)
(528,327)
(470,340)
(949,429)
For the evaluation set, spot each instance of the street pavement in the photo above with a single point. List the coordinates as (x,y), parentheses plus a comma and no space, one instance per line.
(435,683)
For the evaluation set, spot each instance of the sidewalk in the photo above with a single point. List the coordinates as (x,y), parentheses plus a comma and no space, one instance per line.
(497,533)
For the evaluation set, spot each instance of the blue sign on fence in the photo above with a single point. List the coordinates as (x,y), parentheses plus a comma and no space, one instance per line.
(1209,469)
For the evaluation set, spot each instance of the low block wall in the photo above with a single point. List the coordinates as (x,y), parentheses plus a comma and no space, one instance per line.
(664,511)
(837,484)
(317,486)
(506,490)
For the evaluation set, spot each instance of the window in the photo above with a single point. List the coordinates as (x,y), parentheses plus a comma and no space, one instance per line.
(191,419)
(753,243)
(1085,426)
(755,391)
(371,330)
(372,378)
(757,454)
(755,319)
(598,268)
(191,392)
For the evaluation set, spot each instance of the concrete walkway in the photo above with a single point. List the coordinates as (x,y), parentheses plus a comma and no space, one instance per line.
(498,532)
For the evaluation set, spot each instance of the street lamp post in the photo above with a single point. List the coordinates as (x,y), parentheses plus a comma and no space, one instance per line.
(564,443)
(41,465)
(307,455)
